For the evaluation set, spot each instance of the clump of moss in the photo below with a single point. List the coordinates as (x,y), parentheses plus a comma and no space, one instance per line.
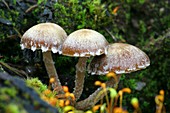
(36,84)
(13,108)
(45,93)
(7,94)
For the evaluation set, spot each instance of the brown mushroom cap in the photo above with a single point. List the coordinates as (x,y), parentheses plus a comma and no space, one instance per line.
(84,43)
(44,36)
(120,58)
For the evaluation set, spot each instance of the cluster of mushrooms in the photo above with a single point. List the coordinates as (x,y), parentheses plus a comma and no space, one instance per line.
(116,57)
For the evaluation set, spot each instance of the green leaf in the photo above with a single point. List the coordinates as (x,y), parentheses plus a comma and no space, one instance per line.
(141,1)
(128,1)
(113,92)
(14,2)
(102,108)
(40,1)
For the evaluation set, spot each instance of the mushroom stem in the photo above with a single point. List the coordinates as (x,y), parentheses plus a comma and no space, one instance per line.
(52,73)
(94,98)
(79,78)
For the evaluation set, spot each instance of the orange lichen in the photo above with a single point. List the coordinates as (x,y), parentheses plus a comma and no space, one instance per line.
(52,80)
(126,90)
(65,88)
(115,10)
(72,96)
(103,85)
(47,92)
(159,99)
(95,108)
(97,83)
(161,92)
(53,101)
(117,110)
(135,103)
(111,74)
(61,103)
(67,94)
(67,102)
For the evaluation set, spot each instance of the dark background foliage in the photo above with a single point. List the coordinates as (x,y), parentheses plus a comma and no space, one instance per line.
(143,23)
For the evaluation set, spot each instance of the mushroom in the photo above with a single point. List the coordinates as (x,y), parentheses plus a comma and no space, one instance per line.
(83,43)
(47,37)
(120,58)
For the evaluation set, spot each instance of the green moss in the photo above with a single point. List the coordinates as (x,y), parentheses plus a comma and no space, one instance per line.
(139,23)
(36,84)
(12,92)
(12,108)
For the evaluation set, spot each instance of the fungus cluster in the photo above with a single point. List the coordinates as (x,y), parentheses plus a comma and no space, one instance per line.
(117,58)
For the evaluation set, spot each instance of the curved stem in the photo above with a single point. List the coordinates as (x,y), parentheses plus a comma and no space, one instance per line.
(49,64)
(94,98)
(79,79)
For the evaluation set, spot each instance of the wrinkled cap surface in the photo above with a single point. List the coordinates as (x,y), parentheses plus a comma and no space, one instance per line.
(44,36)
(84,43)
(120,58)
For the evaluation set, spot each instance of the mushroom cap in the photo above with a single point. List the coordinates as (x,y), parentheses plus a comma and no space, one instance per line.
(44,36)
(120,58)
(84,43)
